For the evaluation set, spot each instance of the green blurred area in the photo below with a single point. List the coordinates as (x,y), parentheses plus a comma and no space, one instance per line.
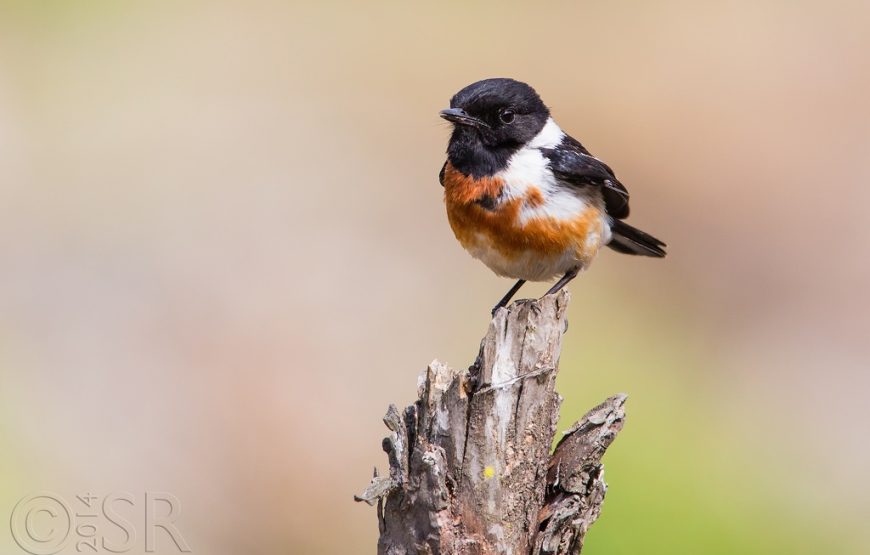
(681,480)
(225,253)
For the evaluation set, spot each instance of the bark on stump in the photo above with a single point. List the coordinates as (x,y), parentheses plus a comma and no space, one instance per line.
(470,465)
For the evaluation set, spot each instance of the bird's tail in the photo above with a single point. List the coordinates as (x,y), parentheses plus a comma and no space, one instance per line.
(630,240)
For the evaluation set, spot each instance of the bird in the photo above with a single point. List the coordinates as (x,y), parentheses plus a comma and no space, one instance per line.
(524,197)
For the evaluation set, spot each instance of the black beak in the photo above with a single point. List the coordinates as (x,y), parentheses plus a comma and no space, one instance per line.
(460,117)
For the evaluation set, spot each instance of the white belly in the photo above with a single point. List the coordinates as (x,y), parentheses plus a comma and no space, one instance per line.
(529,265)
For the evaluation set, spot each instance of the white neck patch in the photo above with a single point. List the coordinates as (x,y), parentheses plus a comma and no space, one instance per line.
(548,137)
(528,168)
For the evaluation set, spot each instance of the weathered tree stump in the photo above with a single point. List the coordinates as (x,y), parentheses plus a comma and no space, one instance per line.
(470,464)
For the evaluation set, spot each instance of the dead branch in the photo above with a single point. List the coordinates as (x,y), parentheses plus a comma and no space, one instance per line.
(470,465)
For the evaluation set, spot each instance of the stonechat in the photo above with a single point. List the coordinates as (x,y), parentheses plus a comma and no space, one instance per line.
(526,198)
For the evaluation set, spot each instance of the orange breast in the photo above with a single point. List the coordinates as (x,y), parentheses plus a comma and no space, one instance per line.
(477,227)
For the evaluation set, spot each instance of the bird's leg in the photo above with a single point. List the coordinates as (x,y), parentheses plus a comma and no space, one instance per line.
(563,281)
(508,296)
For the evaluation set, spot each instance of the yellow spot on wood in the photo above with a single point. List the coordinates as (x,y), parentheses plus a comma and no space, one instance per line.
(488,472)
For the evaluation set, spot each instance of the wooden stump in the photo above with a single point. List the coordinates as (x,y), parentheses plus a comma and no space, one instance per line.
(470,465)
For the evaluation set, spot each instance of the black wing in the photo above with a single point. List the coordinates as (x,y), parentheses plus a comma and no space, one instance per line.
(573,164)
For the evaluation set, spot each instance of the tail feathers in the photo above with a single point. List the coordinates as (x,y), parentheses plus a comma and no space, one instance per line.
(630,240)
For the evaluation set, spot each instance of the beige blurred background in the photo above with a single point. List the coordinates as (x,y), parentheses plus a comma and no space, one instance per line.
(223,253)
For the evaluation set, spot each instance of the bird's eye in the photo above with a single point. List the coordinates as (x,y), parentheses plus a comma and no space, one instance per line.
(506,116)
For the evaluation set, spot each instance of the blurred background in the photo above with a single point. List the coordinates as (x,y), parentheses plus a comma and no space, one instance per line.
(224,252)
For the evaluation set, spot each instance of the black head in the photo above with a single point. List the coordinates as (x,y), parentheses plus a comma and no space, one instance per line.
(492,119)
